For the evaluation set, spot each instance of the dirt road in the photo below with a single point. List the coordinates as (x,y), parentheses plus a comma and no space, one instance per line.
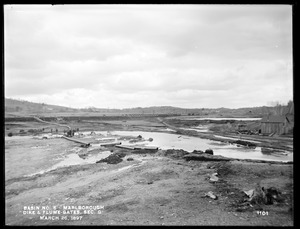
(52,123)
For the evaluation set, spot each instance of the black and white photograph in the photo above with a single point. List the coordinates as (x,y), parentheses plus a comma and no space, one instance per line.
(148,114)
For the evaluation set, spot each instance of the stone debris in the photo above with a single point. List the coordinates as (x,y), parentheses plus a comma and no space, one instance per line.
(198,152)
(260,195)
(249,193)
(272,195)
(214,177)
(211,195)
(209,151)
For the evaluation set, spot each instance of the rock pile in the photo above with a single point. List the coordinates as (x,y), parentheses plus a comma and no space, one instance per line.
(114,158)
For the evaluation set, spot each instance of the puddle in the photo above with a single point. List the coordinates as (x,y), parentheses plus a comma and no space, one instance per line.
(74,159)
(247,153)
(16,137)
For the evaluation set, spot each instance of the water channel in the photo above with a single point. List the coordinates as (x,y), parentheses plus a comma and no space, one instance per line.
(163,141)
(188,143)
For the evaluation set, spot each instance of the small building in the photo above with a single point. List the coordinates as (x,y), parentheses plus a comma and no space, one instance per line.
(278,124)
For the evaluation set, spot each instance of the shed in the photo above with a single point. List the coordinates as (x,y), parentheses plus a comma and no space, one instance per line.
(278,124)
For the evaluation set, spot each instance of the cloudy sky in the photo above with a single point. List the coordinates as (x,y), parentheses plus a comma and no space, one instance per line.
(121,56)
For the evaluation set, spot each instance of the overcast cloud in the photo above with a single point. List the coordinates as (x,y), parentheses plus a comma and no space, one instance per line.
(121,56)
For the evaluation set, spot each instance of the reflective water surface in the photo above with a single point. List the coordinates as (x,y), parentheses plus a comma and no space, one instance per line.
(163,141)
(189,143)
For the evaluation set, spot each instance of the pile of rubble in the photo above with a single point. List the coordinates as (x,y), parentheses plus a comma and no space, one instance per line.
(114,158)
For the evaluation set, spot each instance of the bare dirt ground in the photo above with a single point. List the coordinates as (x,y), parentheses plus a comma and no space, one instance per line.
(152,189)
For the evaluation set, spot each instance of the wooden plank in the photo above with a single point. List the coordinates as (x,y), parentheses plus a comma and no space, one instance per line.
(146,147)
(125,147)
(74,140)
(111,144)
